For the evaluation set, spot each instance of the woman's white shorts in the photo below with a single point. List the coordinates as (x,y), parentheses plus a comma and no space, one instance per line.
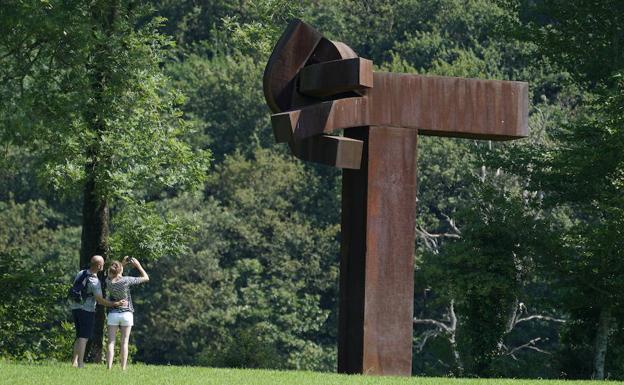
(125,318)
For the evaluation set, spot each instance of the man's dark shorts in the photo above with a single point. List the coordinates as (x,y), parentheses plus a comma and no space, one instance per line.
(84,322)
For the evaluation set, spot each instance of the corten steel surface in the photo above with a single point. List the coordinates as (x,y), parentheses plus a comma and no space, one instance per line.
(436,105)
(299,45)
(376,264)
(334,77)
(314,87)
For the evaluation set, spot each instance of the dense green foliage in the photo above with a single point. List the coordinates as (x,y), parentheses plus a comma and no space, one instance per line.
(93,94)
(32,323)
(518,252)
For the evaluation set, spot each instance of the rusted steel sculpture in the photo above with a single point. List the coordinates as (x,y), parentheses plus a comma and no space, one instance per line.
(314,87)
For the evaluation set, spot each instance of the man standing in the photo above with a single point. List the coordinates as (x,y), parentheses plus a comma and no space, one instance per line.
(84,312)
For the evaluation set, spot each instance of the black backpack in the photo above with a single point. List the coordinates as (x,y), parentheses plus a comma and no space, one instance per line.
(78,291)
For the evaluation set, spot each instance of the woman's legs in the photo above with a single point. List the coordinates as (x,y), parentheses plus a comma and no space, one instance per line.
(110,352)
(125,337)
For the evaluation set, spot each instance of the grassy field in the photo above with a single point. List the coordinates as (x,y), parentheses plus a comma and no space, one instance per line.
(55,374)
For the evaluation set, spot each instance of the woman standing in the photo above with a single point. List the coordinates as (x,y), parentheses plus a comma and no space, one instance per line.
(121,317)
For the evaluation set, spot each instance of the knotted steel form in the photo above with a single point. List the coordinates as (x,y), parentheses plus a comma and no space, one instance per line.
(315,87)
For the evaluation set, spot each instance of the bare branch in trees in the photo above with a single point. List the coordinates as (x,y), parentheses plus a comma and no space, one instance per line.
(529,345)
(451,223)
(447,327)
(520,309)
(516,316)
(540,317)
(431,240)
(425,337)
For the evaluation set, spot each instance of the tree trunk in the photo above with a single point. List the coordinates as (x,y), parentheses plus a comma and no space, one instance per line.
(95,212)
(600,343)
(456,355)
(94,241)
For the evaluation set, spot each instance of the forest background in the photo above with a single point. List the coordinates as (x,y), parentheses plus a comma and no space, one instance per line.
(140,128)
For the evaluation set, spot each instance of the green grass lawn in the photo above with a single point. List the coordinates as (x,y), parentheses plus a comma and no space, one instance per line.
(57,374)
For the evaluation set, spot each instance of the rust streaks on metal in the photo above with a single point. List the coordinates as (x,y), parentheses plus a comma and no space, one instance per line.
(389,270)
(446,106)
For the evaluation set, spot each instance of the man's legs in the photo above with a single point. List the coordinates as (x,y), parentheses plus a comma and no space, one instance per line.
(125,337)
(110,351)
(76,318)
(84,322)
(75,354)
(79,351)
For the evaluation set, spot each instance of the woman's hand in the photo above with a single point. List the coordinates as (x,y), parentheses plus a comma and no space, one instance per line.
(129,260)
(135,262)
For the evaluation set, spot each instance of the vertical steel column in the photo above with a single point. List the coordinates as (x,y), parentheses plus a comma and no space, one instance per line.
(376,266)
